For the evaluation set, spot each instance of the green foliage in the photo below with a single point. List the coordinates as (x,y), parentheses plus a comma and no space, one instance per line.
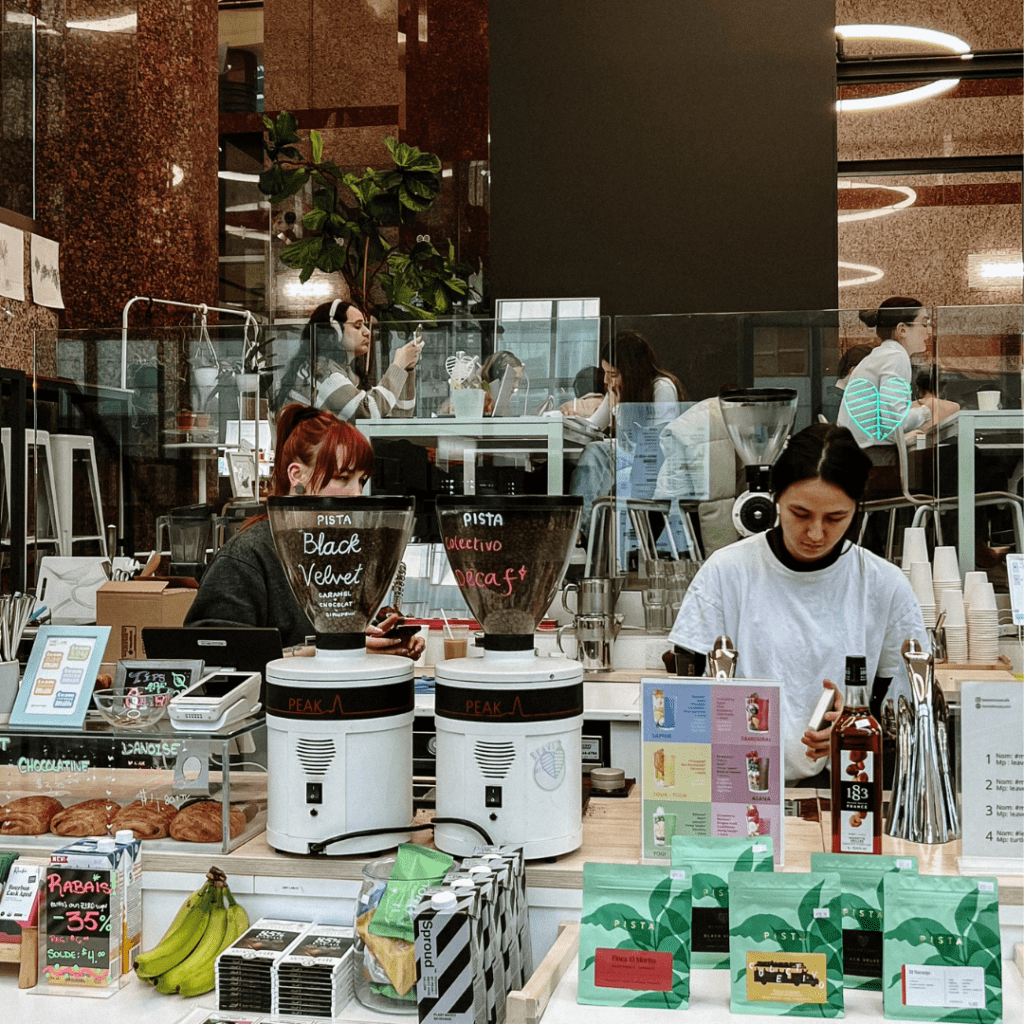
(344,230)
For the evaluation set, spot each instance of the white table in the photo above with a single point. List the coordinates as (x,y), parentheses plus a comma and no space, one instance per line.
(973,430)
(555,436)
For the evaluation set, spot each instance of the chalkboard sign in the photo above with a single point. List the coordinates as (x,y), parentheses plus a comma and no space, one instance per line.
(157,676)
(82,948)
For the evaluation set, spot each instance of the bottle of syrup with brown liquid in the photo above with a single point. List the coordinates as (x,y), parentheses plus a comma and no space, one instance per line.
(856,768)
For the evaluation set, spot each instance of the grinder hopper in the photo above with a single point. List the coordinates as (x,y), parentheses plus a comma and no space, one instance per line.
(758,421)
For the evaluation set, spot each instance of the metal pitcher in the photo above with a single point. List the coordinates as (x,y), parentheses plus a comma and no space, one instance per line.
(722,659)
(595,637)
(595,595)
(923,805)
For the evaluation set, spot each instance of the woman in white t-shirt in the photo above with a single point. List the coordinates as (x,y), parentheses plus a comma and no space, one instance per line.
(798,599)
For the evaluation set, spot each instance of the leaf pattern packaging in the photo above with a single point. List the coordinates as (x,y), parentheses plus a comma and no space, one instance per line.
(712,858)
(941,951)
(635,936)
(786,944)
(862,879)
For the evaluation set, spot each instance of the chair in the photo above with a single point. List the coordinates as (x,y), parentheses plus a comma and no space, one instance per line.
(63,448)
(47,530)
(929,505)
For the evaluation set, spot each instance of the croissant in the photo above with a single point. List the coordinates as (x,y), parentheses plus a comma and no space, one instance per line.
(29,816)
(89,818)
(202,823)
(148,819)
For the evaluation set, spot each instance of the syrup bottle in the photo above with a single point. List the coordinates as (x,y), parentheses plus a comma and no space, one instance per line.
(856,769)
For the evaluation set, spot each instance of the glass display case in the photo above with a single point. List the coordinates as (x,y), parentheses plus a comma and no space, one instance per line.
(152,775)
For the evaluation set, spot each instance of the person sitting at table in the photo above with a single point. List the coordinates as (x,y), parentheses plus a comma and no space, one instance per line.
(588,389)
(245,584)
(340,382)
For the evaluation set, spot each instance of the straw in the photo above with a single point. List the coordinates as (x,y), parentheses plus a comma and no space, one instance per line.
(447,628)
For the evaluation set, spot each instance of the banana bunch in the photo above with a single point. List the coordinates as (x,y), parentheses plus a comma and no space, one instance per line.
(208,922)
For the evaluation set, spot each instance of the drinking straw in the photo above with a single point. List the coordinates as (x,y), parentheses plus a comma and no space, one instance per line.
(447,628)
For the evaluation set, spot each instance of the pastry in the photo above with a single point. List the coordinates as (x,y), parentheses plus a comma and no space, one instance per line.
(148,819)
(89,818)
(29,816)
(201,823)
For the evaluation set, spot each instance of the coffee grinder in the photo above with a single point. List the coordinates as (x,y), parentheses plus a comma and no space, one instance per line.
(509,724)
(759,421)
(339,724)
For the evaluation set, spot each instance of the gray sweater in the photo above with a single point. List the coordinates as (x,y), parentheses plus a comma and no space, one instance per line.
(246,586)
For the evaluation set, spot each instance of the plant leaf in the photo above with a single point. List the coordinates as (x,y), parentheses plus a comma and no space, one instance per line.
(317,144)
(808,905)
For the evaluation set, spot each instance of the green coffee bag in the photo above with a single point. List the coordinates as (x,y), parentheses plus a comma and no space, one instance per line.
(635,936)
(712,858)
(861,875)
(415,868)
(786,944)
(941,954)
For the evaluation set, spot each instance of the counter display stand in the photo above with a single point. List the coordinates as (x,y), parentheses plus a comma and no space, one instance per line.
(158,764)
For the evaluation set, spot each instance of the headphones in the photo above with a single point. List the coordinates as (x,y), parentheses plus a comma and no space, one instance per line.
(334,323)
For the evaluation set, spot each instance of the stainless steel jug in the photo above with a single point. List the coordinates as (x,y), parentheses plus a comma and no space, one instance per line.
(923,804)
(595,595)
(595,638)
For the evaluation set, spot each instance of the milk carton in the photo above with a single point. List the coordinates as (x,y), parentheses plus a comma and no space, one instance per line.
(130,850)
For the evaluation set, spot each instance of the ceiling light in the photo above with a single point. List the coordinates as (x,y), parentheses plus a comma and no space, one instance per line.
(1002,269)
(903,33)
(125,23)
(237,176)
(994,270)
(880,211)
(870,274)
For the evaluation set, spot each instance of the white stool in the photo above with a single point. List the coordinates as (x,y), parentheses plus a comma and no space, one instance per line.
(47,518)
(63,448)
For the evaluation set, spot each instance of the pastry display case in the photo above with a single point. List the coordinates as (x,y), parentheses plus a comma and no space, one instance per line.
(171,787)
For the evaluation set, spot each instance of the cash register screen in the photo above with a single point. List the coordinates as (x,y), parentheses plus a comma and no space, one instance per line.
(218,686)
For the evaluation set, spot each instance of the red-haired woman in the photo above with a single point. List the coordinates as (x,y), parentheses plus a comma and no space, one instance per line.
(245,584)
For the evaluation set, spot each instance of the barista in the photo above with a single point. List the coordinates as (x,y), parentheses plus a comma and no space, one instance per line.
(798,599)
(245,584)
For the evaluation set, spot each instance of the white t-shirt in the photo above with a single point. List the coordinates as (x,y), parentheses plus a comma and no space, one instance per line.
(666,405)
(799,627)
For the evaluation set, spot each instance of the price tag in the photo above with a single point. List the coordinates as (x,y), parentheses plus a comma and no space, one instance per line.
(992,716)
(81,946)
(20,892)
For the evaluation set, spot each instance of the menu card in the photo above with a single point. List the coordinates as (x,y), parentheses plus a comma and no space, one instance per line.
(712,761)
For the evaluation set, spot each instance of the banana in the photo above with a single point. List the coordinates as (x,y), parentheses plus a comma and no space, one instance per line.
(195,974)
(177,945)
(238,922)
(193,901)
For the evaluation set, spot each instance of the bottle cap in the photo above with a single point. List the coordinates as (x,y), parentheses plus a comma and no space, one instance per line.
(124,835)
(443,900)
(106,845)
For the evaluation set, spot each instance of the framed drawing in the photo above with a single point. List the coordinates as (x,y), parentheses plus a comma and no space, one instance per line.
(242,472)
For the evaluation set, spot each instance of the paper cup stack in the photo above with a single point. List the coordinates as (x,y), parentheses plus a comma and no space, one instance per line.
(982,620)
(945,573)
(955,628)
(921,581)
(915,548)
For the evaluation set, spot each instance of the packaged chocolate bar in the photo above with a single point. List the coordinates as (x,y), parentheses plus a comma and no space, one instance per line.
(860,876)
(712,858)
(786,944)
(941,950)
(635,936)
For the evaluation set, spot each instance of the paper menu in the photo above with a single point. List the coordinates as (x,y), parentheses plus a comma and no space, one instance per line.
(713,761)
(61,680)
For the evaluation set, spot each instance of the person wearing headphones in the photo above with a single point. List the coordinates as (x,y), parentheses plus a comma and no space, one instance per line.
(340,382)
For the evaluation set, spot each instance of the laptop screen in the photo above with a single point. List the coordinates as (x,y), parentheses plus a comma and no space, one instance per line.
(230,648)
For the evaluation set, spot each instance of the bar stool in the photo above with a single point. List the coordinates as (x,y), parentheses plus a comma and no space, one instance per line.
(63,448)
(47,514)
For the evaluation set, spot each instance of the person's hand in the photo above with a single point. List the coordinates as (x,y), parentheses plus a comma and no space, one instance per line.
(819,743)
(408,355)
(301,651)
(379,644)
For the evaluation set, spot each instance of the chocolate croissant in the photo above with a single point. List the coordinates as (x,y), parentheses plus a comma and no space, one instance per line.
(202,823)
(28,816)
(148,819)
(89,818)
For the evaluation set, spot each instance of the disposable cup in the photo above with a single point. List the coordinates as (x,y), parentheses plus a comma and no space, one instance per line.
(953,605)
(988,400)
(983,598)
(467,403)
(456,642)
(921,581)
(915,546)
(945,565)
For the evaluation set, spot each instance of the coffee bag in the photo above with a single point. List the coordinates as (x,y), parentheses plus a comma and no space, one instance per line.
(861,876)
(941,953)
(712,858)
(635,936)
(785,944)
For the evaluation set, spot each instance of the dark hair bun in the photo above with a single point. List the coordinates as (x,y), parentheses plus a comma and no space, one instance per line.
(869,317)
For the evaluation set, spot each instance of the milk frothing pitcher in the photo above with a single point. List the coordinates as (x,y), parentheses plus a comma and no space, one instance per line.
(722,659)
(923,805)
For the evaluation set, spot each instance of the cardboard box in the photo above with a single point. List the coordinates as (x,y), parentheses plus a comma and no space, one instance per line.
(127,607)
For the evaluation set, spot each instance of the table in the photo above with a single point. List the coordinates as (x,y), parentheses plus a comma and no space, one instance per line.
(974,429)
(553,435)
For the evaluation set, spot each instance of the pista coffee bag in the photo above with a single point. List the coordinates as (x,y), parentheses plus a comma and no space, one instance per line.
(940,953)
(861,877)
(635,936)
(712,858)
(786,944)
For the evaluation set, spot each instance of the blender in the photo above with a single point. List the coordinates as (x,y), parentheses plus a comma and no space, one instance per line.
(191,535)
(509,724)
(339,724)
(759,421)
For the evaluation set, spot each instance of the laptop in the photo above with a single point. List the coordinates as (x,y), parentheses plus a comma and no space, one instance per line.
(503,398)
(228,648)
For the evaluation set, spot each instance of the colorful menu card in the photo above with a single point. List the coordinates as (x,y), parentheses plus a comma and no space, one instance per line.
(59,678)
(712,761)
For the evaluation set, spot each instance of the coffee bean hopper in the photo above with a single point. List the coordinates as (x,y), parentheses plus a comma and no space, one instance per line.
(339,724)
(759,421)
(509,725)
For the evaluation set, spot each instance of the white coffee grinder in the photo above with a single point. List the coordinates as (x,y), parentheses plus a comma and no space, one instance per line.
(759,421)
(509,725)
(339,724)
